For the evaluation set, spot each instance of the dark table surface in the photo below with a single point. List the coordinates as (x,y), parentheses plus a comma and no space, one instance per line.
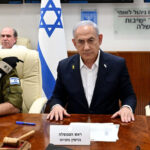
(131,135)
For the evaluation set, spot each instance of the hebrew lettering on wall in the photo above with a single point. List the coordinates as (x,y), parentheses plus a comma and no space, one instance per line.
(132,21)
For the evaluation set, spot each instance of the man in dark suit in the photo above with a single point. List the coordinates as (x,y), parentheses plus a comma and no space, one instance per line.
(92,82)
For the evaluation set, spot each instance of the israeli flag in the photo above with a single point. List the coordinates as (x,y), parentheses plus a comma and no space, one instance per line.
(51,45)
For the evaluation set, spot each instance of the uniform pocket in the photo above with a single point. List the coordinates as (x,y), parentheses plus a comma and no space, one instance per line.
(15,89)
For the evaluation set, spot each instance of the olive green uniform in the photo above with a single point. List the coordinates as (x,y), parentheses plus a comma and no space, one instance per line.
(11,92)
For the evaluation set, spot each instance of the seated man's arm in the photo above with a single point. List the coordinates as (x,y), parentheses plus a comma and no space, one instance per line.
(127,97)
(8,108)
(10,94)
(58,99)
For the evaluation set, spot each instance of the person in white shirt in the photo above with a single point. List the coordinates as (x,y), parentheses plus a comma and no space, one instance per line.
(8,39)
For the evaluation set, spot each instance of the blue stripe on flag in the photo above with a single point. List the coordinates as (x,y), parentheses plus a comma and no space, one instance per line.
(51,33)
(48,81)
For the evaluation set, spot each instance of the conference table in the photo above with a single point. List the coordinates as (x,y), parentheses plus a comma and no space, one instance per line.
(132,136)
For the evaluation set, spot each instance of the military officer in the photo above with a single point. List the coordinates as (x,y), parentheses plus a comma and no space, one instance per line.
(10,88)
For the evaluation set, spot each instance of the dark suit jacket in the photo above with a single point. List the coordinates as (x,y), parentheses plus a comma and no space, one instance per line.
(113,83)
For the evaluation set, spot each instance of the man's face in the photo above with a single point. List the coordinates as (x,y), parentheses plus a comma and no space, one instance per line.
(7,38)
(87,43)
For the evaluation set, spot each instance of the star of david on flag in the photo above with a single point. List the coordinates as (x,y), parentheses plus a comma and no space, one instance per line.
(50,8)
(51,45)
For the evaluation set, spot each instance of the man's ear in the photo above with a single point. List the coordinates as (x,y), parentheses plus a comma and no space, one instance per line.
(15,40)
(100,38)
(74,42)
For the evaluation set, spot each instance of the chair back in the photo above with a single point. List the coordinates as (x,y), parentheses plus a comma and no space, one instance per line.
(24,41)
(29,73)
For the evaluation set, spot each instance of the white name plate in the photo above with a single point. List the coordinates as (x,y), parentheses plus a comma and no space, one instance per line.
(69,135)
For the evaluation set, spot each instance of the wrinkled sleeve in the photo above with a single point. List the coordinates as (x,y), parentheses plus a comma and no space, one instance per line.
(11,89)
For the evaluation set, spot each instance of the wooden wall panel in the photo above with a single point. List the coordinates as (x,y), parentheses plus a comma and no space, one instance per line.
(138,64)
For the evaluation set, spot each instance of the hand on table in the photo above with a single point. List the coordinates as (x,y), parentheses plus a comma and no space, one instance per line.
(57,112)
(125,114)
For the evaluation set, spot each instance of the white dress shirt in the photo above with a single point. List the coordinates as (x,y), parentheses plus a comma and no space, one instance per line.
(89,76)
(16,47)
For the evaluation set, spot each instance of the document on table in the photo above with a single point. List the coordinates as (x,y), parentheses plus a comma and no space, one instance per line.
(107,132)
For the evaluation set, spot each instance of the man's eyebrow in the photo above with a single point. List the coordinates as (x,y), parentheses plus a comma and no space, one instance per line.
(6,35)
(91,38)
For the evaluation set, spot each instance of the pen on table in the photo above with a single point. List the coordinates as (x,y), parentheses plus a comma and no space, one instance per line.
(25,123)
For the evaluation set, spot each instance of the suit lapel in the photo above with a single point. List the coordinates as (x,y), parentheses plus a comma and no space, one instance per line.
(100,81)
(78,81)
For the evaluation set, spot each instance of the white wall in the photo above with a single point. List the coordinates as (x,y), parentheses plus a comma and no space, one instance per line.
(25,18)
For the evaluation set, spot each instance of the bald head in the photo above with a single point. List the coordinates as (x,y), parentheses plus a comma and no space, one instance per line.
(8,37)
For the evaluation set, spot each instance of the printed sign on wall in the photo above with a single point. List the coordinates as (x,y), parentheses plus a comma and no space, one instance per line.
(132,21)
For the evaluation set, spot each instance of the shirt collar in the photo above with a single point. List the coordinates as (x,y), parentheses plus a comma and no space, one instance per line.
(95,63)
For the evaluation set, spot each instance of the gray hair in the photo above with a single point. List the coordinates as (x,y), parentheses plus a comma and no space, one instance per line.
(83,23)
(15,33)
